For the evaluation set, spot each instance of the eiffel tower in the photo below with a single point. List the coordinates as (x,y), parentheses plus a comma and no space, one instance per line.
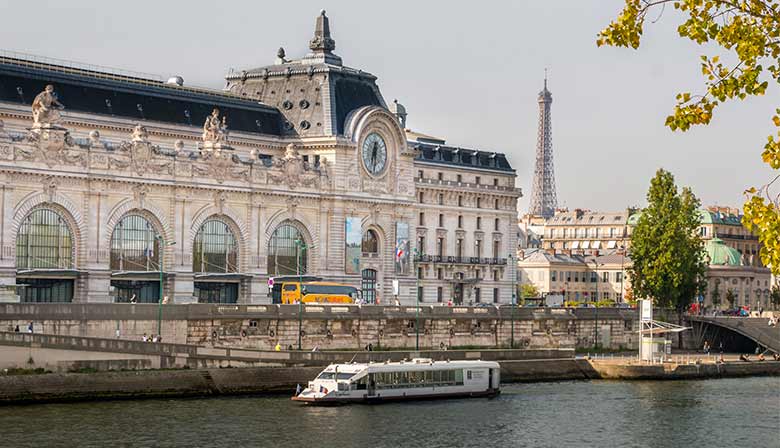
(543,197)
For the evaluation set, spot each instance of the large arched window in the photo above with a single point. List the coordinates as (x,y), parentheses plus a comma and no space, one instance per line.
(215,248)
(44,241)
(370,244)
(134,245)
(287,252)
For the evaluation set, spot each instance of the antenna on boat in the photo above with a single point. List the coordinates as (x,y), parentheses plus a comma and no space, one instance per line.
(353,358)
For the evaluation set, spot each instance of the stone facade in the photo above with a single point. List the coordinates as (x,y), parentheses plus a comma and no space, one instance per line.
(577,278)
(128,147)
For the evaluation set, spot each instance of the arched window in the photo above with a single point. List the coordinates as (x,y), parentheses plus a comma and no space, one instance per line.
(215,248)
(44,241)
(134,245)
(287,252)
(370,244)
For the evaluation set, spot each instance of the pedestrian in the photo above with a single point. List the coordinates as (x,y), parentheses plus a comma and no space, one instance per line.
(706,348)
(297,389)
(449,302)
(16,330)
(145,338)
(397,303)
(154,338)
(117,333)
(30,328)
(278,347)
(290,348)
(720,346)
(370,347)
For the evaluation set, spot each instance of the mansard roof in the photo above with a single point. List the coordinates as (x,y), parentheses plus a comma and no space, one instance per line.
(103,92)
(460,157)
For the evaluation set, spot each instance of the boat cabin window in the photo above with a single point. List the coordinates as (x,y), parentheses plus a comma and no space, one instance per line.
(334,375)
(425,378)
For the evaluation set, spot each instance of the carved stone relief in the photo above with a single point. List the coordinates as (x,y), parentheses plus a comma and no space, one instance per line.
(290,170)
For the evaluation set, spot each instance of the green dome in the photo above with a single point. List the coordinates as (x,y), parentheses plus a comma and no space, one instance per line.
(720,254)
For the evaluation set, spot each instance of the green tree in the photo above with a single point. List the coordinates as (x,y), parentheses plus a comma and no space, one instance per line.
(748,32)
(774,296)
(730,297)
(667,252)
(716,295)
(527,290)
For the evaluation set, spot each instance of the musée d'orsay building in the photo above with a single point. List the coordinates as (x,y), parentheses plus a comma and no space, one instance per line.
(110,182)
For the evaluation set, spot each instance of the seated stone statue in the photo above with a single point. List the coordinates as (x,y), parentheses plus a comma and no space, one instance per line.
(45,108)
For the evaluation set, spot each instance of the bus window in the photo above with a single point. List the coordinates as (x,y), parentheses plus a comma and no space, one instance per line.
(291,287)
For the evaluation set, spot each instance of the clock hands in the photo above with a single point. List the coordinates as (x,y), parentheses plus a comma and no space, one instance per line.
(373,156)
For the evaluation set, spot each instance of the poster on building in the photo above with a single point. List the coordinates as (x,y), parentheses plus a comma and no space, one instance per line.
(352,242)
(402,248)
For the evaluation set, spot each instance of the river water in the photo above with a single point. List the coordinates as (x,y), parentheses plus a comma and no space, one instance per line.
(712,413)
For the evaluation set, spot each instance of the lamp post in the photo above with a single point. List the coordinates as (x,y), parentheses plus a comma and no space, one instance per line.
(162,245)
(300,245)
(514,295)
(622,269)
(596,304)
(417,310)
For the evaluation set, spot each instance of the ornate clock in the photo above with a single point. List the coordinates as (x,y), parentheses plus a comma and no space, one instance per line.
(374,153)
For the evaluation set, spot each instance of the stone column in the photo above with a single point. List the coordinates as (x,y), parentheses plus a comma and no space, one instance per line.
(183,285)
(257,289)
(98,282)
(7,245)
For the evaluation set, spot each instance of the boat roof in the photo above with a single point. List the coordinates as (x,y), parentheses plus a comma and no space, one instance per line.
(414,364)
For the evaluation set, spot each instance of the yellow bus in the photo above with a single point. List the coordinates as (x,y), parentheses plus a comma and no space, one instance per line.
(319,292)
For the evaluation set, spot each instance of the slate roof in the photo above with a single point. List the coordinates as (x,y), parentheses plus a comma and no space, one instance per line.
(456,156)
(111,94)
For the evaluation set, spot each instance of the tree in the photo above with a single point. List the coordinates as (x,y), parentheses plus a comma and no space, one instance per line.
(750,31)
(666,251)
(774,296)
(629,298)
(527,290)
(730,297)
(716,295)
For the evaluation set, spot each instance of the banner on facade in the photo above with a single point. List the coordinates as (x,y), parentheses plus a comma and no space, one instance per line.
(402,248)
(353,238)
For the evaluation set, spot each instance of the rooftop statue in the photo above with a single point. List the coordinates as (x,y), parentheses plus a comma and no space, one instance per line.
(45,108)
(214,131)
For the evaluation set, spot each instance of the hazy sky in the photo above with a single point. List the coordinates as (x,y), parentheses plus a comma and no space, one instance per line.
(468,72)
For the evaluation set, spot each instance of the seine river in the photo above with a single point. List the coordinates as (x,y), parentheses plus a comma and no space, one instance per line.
(711,413)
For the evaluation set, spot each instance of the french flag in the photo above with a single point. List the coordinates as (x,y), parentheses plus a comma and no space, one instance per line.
(399,252)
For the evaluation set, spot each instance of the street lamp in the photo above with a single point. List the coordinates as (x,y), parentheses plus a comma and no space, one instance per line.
(596,304)
(622,271)
(417,310)
(300,246)
(514,295)
(162,245)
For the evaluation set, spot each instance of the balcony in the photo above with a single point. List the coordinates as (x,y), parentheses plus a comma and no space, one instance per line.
(440,259)
(461,185)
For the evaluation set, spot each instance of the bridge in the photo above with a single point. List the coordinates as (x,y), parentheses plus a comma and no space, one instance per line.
(756,329)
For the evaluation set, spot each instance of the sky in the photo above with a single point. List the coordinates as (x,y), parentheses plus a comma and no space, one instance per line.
(468,72)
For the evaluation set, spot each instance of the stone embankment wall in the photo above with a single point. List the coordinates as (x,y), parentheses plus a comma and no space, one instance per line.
(672,371)
(68,353)
(334,327)
(169,383)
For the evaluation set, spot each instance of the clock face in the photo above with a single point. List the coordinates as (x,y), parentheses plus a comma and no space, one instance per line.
(374,153)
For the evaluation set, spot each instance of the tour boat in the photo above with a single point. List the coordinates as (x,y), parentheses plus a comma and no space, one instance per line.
(420,378)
